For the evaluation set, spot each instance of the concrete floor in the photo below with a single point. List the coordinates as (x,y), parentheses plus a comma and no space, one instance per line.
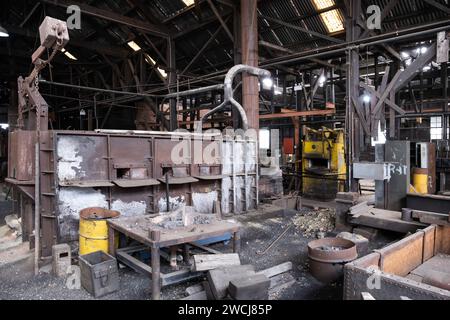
(259,229)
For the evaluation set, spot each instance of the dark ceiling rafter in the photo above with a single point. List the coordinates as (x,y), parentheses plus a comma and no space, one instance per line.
(115,17)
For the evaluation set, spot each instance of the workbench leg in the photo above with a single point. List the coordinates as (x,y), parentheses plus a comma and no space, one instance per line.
(111,242)
(186,253)
(173,257)
(236,242)
(156,274)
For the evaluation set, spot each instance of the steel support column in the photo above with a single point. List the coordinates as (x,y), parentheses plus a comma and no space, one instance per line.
(237,60)
(444,80)
(249,34)
(352,121)
(171,80)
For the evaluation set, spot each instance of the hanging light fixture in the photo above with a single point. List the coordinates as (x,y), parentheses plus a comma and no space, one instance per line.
(3,33)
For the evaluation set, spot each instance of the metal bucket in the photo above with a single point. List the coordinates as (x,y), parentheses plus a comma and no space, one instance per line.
(94,229)
(327,257)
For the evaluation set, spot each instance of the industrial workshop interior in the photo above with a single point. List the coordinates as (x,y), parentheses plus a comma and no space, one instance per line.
(225,150)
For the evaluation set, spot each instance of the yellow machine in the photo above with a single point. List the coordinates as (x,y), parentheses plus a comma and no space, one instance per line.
(323,163)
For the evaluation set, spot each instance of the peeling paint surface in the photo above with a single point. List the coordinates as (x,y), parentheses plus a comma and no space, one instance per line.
(225,199)
(70,202)
(174,203)
(204,202)
(69,163)
(129,209)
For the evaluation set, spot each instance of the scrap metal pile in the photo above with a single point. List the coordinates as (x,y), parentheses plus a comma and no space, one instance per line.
(316,221)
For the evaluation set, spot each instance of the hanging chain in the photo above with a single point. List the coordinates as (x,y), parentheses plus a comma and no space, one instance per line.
(36,82)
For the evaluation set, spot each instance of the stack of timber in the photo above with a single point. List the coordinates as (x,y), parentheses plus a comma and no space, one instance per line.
(236,281)
(364,214)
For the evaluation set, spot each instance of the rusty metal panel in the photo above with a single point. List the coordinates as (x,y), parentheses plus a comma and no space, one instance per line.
(184,180)
(120,171)
(132,201)
(358,274)
(204,194)
(133,154)
(21,155)
(442,239)
(402,256)
(429,235)
(391,287)
(123,183)
(82,157)
(70,201)
(86,184)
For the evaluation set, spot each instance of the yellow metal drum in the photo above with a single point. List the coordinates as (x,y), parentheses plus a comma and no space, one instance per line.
(94,229)
(420,180)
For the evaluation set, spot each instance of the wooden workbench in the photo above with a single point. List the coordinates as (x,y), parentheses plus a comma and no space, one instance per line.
(142,230)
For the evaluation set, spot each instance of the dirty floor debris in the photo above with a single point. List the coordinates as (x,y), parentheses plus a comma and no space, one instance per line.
(311,222)
(260,229)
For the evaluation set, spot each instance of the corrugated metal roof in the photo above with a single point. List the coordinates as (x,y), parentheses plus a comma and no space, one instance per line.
(301,13)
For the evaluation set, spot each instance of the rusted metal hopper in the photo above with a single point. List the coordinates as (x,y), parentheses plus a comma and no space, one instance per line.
(327,257)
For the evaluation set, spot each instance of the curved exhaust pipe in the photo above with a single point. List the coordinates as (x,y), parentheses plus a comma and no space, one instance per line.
(228,92)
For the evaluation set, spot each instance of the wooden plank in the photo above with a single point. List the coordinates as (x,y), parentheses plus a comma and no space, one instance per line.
(134,263)
(194,289)
(431,217)
(386,220)
(204,262)
(276,270)
(205,248)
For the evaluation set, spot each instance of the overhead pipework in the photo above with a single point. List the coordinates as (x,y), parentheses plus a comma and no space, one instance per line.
(228,92)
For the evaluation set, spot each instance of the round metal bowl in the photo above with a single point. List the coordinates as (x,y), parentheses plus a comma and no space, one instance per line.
(327,257)
(98,213)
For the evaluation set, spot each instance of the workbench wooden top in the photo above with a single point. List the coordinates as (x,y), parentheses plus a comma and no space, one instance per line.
(139,227)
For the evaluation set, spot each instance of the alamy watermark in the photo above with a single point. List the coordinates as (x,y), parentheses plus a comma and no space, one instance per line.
(74,20)
(373,282)
(214,147)
(374,18)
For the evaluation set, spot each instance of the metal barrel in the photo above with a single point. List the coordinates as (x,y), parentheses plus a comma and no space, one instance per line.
(93,229)
(420,180)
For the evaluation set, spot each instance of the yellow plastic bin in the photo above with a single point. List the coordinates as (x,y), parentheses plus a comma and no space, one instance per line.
(94,229)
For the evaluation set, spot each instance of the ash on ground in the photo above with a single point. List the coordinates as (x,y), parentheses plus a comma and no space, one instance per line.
(183,217)
(330,248)
(316,221)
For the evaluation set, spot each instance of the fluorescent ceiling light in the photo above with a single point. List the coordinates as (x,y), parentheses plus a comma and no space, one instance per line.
(68,54)
(133,45)
(149,59)
(323,4)
(152,61)
(3,33)
(162,72)
(333,20)
(188,2)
